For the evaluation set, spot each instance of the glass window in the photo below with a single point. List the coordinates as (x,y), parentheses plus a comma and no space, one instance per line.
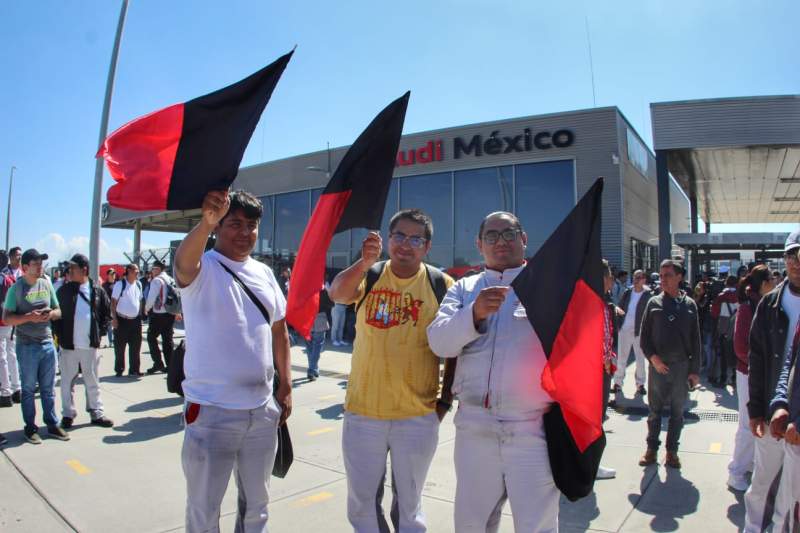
(545,194)
(432,193)
(291,217)
(266,235)
(340,241)
(477,193)
(637,153)
(440,256)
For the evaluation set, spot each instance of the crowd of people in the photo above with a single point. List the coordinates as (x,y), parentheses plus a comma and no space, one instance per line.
(411,322)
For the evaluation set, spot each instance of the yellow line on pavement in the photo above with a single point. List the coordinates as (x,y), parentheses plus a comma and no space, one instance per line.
(319,431)
(314,498)
(715,447)
(78,467)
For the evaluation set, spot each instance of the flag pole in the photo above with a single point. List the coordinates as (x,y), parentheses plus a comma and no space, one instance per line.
(8,212)
(97,201)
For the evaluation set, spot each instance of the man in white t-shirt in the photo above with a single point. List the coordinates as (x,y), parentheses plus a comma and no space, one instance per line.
(232,352)
(633,302)
(85,313)
(126,302)
(160,322)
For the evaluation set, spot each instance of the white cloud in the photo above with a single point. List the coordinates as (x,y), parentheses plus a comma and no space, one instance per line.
(61,249)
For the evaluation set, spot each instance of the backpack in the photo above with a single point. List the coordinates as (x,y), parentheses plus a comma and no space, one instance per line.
(435,278)
(725,323)
(172,299)
(175,375)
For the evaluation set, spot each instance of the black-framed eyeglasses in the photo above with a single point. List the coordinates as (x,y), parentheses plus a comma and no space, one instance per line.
(508,235)
(399,238)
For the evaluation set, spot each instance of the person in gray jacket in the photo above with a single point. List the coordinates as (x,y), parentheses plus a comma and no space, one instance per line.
(500,449)
(633,302)
(670,339)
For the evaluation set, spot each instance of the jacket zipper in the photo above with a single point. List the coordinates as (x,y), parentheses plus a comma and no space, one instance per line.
(486,404)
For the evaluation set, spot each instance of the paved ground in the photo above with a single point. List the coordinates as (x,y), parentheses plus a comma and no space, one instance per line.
(128,479)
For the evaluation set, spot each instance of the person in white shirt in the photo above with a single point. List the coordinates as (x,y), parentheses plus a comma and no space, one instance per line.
(233,350)
(500,450)
(126,317)
(14,267)
(85,313)
(633,302)
(160,322)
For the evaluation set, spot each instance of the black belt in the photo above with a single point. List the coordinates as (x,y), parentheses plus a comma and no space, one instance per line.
(127,317)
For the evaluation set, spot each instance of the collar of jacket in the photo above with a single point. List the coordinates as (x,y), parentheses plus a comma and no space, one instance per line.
(506,276)
(779,298)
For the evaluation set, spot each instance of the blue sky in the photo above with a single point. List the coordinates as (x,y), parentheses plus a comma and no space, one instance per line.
(464,61)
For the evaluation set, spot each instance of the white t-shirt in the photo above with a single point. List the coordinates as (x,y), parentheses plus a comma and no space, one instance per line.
(129,301)
(83,319)
(228,361)
(157,294)
(791,305)
(630,314)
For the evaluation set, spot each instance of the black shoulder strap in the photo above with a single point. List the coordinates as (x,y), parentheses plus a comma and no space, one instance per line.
(124,284)
(249,293)
(373,274)
(438,284)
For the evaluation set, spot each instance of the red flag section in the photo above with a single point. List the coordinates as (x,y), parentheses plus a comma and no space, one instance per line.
(170,159)
(355,197)
(561,289)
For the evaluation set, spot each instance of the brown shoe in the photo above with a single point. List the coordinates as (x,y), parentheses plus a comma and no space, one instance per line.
(672,460)
(649,458)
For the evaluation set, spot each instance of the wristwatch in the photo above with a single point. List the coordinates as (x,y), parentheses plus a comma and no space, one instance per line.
(443,403)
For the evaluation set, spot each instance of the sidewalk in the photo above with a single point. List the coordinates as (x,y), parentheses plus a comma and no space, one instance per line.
(129,479)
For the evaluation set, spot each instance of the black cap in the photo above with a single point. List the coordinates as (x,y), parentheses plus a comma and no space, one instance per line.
(159,264)
(79,260)
(32,254)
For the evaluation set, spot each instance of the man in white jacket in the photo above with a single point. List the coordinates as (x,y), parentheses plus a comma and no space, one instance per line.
(500,448)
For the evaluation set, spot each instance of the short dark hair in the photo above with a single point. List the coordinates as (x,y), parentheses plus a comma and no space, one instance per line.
(731,281)
(243,201)
(130,266)
(677,267)
(418,216)
(14,249)
(622,273)
(159,264)
(515,223)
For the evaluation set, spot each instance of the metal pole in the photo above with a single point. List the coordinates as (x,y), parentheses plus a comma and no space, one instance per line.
(8,211)
(97,201)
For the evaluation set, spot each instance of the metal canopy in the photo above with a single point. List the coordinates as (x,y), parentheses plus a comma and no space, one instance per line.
(732,241)
(172,221)
(739,158)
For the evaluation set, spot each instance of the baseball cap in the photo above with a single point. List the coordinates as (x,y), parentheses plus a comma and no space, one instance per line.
(79,260)
(792,242)
(32,254)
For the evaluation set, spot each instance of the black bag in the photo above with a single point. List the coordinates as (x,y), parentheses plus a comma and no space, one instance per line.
(175,375)
(285,454)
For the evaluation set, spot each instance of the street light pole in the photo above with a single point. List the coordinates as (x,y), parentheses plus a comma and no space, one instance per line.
(97,201)
(8,211)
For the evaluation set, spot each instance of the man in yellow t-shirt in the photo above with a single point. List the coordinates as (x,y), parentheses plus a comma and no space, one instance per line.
(391,404)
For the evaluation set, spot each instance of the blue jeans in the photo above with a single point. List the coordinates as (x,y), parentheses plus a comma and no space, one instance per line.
(37,363)
(314,349)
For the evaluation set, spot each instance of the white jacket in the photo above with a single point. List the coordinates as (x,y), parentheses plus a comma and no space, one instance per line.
(500,364)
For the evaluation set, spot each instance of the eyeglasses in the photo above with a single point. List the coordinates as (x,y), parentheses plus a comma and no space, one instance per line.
(414,241)
(508,235)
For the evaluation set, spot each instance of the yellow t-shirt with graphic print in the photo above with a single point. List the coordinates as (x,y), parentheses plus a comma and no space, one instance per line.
(394,374)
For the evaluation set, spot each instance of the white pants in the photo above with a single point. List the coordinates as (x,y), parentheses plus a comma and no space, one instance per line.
(498,460)
(744,448)
(411,444)
(217,442)
(767,498)
(9,371)
(89,361)
(627,339)
(791,478)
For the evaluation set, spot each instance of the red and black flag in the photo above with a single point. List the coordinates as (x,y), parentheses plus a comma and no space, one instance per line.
(170,159)
(561,289)
(354,198)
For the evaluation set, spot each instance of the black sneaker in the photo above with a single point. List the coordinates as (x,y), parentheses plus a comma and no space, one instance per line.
(6,401)
(3,440)
(57,433)
(32,436)
(119,374)
(311,377)
(641,390)
(616,389)
(16,397)
(103,422)
(66,422)
(135,374)
(153,369)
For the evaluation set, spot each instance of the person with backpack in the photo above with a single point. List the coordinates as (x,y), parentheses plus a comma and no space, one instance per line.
(723,312)
(392,405)
(126,319)
(500,449)
(162,308)
(85,314)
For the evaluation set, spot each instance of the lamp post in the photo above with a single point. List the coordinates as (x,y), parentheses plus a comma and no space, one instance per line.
(97,201)
(8,211)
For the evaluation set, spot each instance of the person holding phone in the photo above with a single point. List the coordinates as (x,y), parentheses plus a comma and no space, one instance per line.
(30,305)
